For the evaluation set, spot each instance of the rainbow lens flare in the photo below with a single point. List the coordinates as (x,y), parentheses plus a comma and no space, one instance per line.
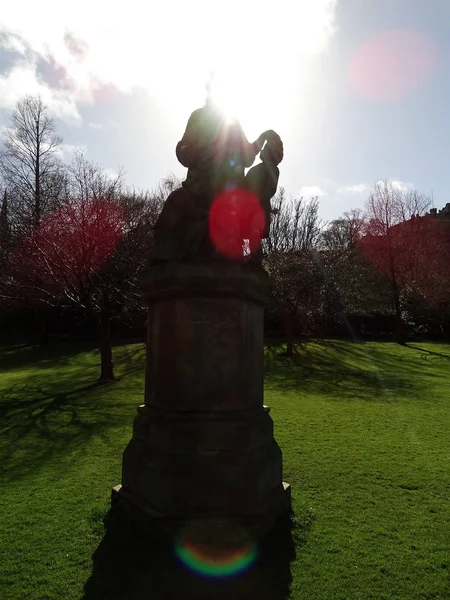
(215,562)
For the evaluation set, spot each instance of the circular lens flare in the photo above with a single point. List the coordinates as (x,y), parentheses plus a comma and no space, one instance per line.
(391,65)
(236,215)
(215,562)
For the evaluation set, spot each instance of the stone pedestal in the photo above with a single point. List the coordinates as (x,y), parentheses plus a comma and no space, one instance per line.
(203,444)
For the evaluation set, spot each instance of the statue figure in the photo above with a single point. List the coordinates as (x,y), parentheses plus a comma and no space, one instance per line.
(262,180)
(216,153)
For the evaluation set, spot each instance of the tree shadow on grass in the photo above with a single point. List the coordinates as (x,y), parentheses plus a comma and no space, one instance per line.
(64,354)
(128,566)
(44,416)
(57,354)
(348,371)
(129,359)
(426,352)
(36,425)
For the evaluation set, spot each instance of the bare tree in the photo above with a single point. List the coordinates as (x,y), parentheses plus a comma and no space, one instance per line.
(296,294)
(5,228)
(88,256)
(290,257)
(295,226)
(396,238)
(89,181)
(5,246)
(343,233)
(389,205)
(29,163)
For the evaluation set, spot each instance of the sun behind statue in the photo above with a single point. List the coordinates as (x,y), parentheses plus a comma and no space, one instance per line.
(216,152)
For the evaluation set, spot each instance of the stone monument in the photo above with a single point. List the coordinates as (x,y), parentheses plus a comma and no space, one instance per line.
(203,446)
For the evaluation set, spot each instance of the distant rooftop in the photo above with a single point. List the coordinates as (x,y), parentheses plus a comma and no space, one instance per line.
(444,213)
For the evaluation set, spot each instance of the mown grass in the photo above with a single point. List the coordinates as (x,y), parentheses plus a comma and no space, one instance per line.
(364,430)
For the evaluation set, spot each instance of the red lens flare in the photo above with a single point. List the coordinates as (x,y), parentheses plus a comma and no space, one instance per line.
(236,215)
(391,65)
(73,243)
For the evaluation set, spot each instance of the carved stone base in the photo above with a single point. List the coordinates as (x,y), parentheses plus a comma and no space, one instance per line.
(144,518)
(203,445)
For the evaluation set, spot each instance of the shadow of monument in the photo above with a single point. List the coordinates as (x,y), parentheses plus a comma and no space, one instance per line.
(127,566)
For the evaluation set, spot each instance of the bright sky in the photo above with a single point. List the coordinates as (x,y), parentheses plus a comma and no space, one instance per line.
(358,89)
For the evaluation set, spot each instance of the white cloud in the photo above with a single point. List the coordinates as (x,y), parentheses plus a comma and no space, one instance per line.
(96,126)
(401,186)
(111,173)
(66,151)
(12,43)
(311,191)
(3,130)
(23,79)
(167,48)
(353,188)
(364,188)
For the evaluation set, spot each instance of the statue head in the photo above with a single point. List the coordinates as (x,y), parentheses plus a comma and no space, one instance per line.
(272,153)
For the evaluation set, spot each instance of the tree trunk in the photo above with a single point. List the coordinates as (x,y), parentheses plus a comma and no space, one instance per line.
(399,331)
(37,179)
(290,347)
(288,334)
(106,359)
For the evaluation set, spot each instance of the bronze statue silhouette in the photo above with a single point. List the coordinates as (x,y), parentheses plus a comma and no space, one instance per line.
(216,153)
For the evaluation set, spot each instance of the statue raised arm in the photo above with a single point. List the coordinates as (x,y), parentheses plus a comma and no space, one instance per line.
(216,152)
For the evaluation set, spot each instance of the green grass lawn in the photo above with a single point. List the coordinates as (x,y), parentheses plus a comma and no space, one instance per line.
(365,434)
